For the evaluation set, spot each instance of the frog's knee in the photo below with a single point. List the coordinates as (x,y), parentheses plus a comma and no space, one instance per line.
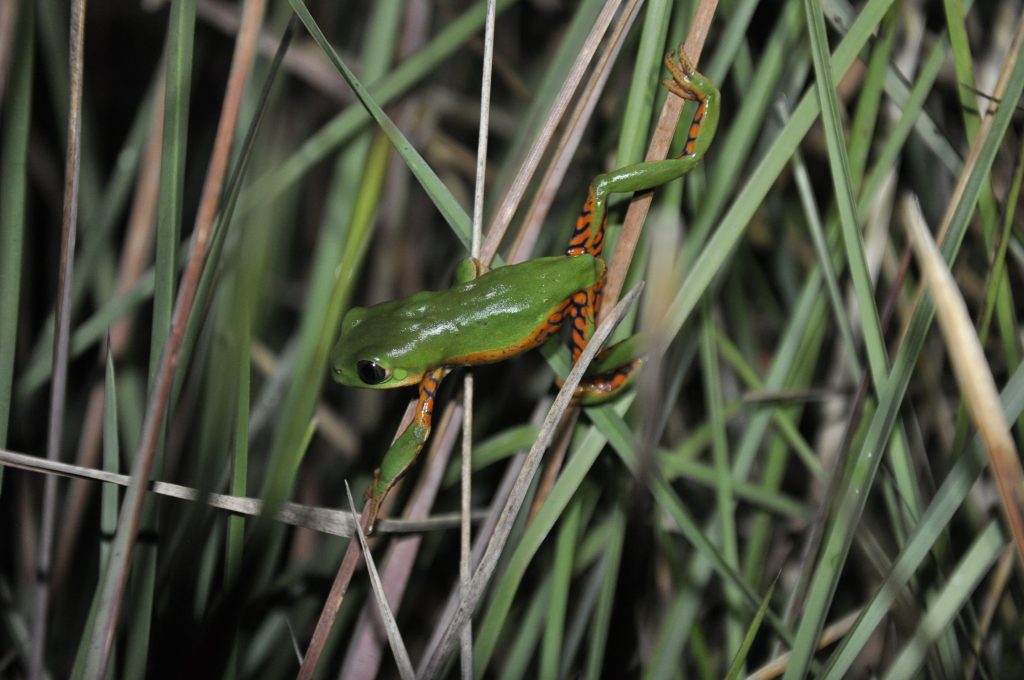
(602,387)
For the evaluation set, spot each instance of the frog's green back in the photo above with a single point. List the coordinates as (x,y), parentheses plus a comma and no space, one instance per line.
(480,321)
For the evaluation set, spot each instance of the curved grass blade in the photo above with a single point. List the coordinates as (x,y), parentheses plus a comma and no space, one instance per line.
(453,213)
(355,118)
(973,374)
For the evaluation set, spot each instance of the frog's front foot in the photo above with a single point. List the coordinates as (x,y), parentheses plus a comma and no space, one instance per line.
(469,269)
(373,498)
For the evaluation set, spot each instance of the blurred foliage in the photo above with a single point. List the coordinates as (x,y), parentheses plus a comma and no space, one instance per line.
(798,424)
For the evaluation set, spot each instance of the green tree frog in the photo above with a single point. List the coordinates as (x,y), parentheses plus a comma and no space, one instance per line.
(487,317)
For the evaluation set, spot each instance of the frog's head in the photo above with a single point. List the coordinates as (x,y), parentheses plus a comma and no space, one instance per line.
(368,356)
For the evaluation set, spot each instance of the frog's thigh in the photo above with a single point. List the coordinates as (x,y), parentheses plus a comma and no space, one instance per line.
(551,325)
(583,306)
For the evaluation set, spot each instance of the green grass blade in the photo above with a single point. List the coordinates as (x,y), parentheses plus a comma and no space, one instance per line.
(453,213)
(732,151)
(736,668)
(111,460)
(109,509)
(724,497)
(865,461)
(749,199)
(643,86)
(972,567)
(843,187)
(934,521)
(169,215)
(561,573)
(354,119)
(668,500)
(177,98)
(347,231)
(606,598)
(318,333)
(504,589)
(531,625)
(13,182)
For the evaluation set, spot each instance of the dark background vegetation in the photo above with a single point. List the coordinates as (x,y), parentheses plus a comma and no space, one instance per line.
(789,442)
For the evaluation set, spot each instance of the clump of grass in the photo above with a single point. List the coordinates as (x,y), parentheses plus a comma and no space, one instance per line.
(808,479)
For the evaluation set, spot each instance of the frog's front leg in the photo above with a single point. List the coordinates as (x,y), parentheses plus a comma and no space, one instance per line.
(469,269)
(407,446)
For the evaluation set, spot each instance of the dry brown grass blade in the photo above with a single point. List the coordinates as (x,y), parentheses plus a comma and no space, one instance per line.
(553,465)
(350,562)
(972,372)
(116,573)
(435,663)
(394,635)
(8,20)
(555,172)
(639,206)
(483,536)
(335,598)
(61,338)
(141,226)
(510,202)
(362,659)
(658,149)
(317,518)
(829,636)
(466,499)
(305,61)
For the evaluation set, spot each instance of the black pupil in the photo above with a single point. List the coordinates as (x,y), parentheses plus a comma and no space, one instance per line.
(370,372)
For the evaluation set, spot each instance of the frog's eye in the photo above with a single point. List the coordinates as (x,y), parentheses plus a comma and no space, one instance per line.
(371,373)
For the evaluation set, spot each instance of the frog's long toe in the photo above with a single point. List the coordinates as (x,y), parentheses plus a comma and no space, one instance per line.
(682,71)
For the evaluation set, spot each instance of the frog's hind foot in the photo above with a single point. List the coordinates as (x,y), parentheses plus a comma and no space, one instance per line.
(597,389)
(682,71)
(690,85)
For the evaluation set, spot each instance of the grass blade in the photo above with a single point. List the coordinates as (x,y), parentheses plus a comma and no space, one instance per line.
(453,213)
(115,575)
(58,394)
(972,567)
(13,181)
